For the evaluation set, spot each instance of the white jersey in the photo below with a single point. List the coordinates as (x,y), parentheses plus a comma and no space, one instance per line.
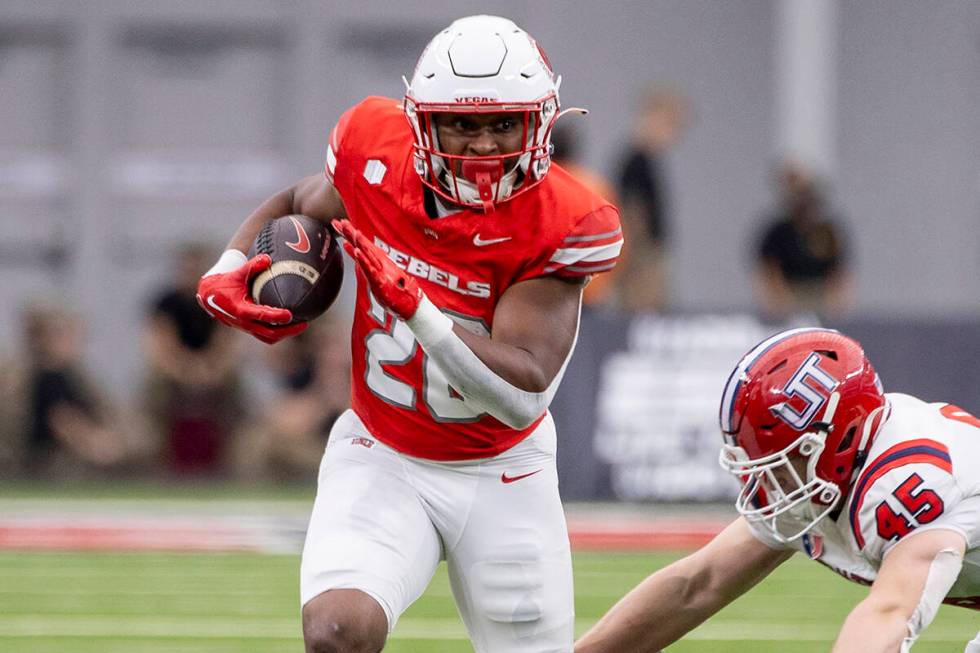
(921,473)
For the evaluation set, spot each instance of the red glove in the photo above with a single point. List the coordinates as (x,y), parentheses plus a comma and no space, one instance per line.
(396,289)
(225,296)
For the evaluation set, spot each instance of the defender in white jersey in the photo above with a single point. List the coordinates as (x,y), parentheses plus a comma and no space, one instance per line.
(882,488)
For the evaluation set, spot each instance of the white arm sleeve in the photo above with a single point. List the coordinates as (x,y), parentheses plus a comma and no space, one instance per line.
(943,571)
(231,259)
(470,377)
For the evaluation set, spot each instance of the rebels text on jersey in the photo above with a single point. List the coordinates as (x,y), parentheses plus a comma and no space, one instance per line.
(920,475)
(464,262)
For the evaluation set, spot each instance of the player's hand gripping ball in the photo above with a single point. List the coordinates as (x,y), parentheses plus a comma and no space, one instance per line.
(225,297)
(394,288)
(262,297)
(306,268)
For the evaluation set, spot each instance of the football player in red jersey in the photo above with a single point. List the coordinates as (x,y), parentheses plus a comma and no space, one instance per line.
(472,251)
(881,488)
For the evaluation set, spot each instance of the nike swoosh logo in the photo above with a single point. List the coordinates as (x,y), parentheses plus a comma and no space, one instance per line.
(510,479)
(479,242)
(302,244)
(213,305)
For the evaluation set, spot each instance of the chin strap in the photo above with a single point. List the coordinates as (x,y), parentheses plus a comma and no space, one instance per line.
(868,431)
(579,110)
(826,423)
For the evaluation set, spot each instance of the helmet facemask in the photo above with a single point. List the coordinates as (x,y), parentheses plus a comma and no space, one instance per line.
(482,181)
(782,492)
(482,65)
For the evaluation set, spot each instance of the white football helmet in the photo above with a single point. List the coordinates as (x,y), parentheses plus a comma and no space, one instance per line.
(482,64)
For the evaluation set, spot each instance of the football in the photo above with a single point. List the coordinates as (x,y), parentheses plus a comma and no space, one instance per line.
(307,266)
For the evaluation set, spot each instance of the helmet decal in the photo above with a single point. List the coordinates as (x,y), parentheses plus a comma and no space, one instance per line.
(797,386)
(734,382)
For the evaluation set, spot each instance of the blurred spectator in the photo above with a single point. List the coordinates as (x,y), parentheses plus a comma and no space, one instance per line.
(312,388)
(802,254)
(645,198)
(193,396)
(565,138)
(12,439)
(55,422)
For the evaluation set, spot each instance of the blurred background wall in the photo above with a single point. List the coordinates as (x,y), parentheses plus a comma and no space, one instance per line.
(130,126)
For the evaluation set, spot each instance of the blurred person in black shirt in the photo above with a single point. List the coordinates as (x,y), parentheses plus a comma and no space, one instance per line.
(56,422)
(802,254)
(311,378)
(193,394)
(644,196)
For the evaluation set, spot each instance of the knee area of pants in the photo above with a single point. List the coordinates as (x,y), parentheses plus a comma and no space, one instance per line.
(510,590)
(328,635)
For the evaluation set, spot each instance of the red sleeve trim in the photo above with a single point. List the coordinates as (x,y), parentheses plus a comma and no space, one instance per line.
(335,144)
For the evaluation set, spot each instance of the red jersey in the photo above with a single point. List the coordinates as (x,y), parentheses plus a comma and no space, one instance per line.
(464,263)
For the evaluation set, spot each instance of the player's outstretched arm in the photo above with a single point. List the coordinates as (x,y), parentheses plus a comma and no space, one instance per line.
(679,597)
(223,291)
(911,584)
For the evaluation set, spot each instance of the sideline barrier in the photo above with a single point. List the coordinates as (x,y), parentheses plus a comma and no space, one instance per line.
(637,410)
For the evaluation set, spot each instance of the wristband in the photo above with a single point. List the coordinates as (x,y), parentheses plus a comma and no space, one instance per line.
(429,324)
(231,259)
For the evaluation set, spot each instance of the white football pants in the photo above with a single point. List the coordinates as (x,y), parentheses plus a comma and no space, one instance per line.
(382,521)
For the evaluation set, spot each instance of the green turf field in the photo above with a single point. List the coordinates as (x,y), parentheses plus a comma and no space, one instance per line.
(138,603)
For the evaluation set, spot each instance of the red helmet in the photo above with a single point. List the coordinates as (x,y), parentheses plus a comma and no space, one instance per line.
(798,413)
